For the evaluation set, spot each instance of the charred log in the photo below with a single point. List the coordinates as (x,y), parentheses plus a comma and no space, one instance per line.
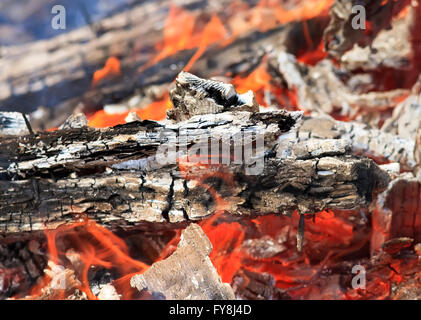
(131,174)
(114,176)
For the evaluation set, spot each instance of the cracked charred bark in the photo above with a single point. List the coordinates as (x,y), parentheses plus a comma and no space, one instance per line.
(129,174)
(113,174)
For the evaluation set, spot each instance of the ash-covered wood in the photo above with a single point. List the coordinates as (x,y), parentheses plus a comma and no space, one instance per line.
(391,48)
(115,177)
(187,274)
(13,124)
(410,290)
(362,139)
(75,121)
(398,211)
(341,35)
(195,96)
(129,175)
(406,117)
(321,90)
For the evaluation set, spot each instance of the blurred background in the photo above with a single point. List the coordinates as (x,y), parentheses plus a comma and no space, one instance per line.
(22,21)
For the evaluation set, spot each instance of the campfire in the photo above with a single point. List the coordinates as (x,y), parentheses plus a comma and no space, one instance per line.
(233,149)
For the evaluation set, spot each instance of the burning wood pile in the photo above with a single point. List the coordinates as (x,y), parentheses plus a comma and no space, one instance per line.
(240,150)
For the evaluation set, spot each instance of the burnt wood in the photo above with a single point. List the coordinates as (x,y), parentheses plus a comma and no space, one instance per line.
(113,174)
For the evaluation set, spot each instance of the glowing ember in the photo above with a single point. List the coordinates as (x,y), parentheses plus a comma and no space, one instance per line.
(328,237)
(290,269)
(314,56)
(266,244)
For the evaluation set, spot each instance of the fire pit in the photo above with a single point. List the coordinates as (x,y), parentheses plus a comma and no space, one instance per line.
(254,150)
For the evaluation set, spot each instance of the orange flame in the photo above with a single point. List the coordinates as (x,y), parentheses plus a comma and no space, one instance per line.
(306,10)
(155,111)
(270,13)
(96,246)
(256,81)
(178,33)
(111,69)
(259,81)
(214,31)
